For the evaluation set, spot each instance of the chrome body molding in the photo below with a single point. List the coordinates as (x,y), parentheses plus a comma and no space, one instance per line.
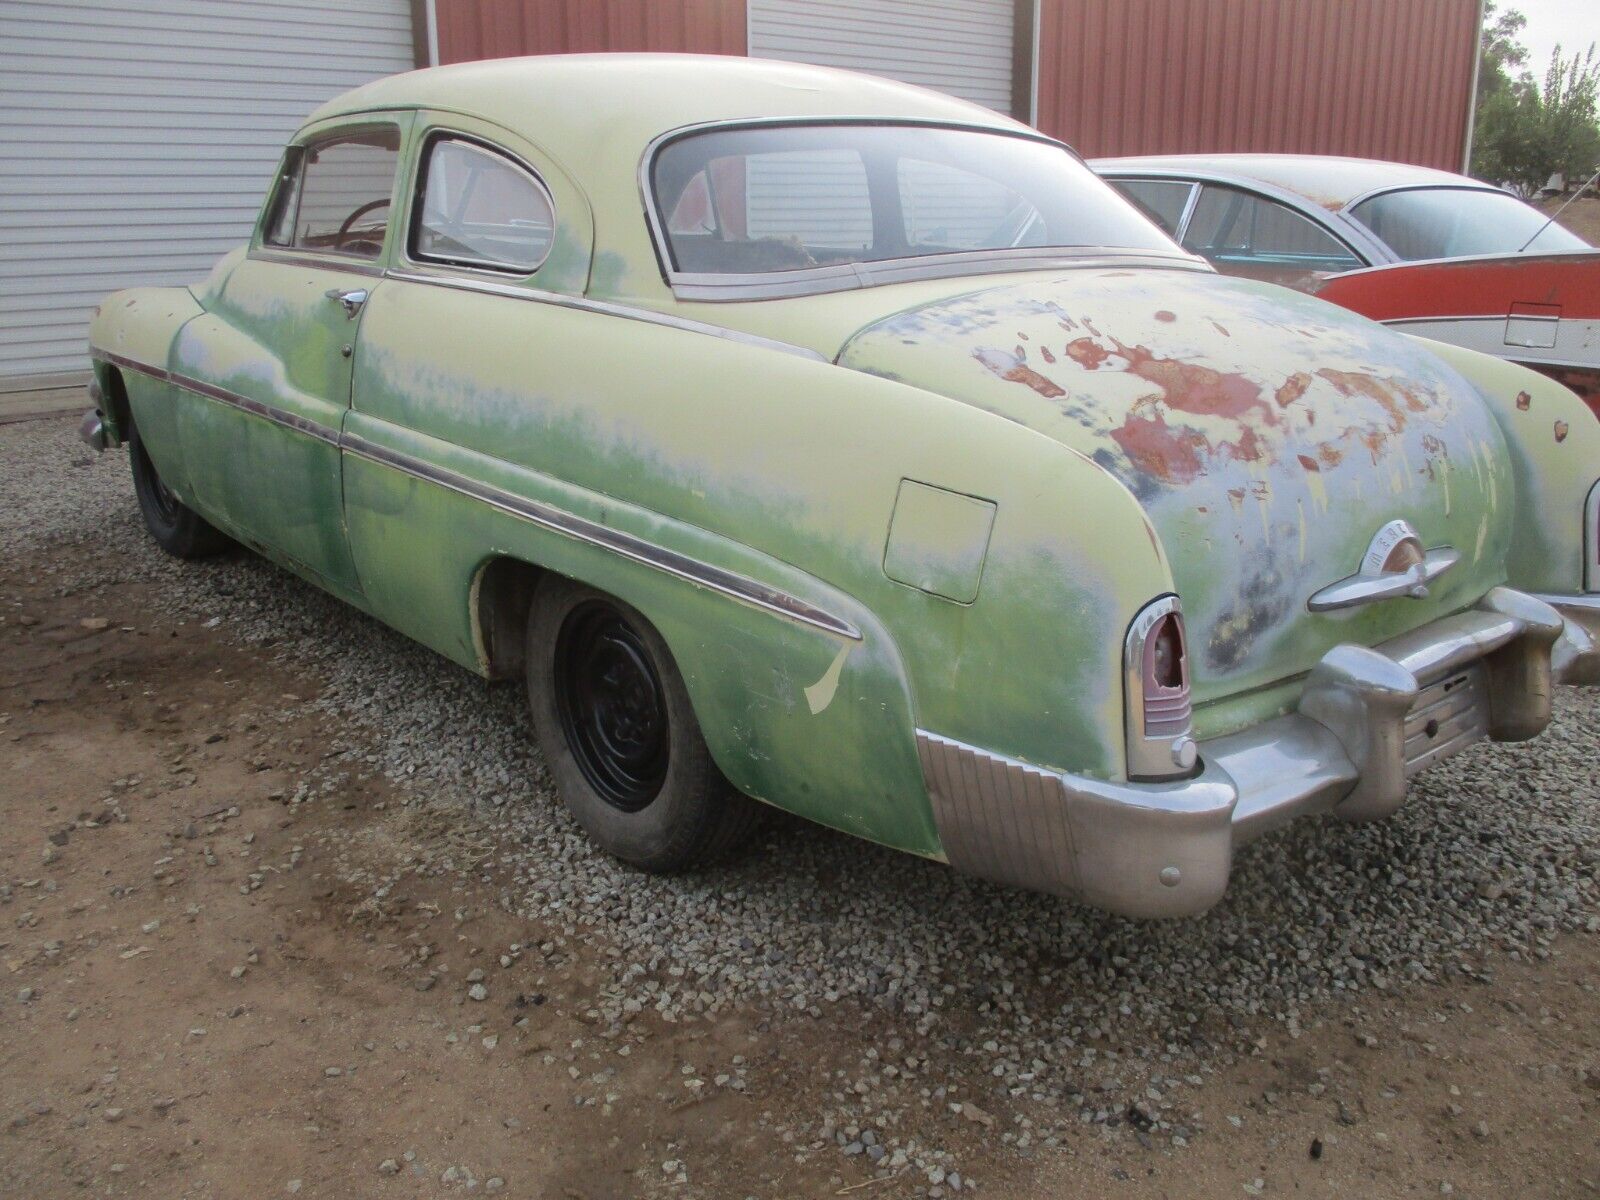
(702,574)
(321,260)
(844,277)
(627,312)
(1367,719)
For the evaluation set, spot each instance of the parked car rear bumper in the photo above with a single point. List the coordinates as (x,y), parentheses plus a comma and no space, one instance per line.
(1574,656)
(1367,719)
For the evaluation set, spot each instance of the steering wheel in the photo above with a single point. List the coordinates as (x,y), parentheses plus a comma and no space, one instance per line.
(345,229)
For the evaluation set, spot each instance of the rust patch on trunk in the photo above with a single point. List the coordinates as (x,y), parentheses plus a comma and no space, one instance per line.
(1524,401)
(1292,388)
(1561,431)
(1015,371)
(1309,463)
(1204,391)
(1164,315)
(1045,353)
(1160,451)
(1087,353)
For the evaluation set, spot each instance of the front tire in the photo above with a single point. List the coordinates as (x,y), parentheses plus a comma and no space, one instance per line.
(177,528)
(614,721)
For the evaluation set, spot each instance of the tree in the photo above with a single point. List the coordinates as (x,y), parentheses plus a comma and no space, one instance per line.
(1523,133)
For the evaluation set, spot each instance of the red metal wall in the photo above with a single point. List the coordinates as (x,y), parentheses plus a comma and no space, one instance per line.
(501,28)
(1373,78)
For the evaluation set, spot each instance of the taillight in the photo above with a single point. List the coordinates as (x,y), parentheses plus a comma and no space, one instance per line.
(1159,715)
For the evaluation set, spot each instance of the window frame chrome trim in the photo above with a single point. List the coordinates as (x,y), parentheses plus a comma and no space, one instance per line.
(628,312)
(297,147)
(838,277)
(419,182)
(726,583)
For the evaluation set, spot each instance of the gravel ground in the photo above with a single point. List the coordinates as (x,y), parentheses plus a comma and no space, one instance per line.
(1068,1011)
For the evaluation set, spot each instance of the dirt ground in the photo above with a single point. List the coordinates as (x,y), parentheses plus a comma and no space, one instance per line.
(236,966)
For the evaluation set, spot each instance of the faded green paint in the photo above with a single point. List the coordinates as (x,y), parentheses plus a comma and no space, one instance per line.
(1122,434)
(938,540)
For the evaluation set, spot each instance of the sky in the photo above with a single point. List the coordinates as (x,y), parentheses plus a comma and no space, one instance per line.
(1573,23)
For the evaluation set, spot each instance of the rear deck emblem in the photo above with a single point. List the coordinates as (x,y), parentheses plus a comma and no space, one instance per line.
(1395,564)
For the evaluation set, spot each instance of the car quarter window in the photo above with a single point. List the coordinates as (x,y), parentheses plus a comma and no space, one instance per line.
(479,208)
(335,197)
(1235,226)
(1162,200)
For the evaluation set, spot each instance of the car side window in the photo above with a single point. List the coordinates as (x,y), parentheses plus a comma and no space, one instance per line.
(1162,200)
(1233,226)
(335,197)
(478,208)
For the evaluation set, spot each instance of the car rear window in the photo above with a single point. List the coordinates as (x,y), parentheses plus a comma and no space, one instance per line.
(1447,222)
(757,200)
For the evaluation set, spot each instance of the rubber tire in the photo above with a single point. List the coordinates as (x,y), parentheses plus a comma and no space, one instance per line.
(697,818)
(181,532)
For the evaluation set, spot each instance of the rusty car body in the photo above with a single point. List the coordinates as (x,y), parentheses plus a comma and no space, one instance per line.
(1427,252)
(800,435)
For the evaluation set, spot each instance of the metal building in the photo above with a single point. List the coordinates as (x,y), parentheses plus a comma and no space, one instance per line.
(139,137)
(141,134)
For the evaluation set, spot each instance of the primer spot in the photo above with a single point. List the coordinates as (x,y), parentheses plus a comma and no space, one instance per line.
(820,694)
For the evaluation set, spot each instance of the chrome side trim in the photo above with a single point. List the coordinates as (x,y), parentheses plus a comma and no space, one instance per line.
(628,312)
(221,395)
(844,277)
(325,261)
(702,574)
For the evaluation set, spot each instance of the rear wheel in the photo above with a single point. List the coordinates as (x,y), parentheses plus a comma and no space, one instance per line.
(617,729)
(176,527)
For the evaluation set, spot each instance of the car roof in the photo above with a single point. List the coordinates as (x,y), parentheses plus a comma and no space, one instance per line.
(571,103)
(1326,180)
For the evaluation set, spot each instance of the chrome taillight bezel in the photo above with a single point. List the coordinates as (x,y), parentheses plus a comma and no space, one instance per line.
(1159,720)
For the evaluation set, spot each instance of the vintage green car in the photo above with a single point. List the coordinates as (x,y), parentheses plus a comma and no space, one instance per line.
(803,436)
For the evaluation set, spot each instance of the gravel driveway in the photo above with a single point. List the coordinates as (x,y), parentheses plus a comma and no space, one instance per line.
(1497,850)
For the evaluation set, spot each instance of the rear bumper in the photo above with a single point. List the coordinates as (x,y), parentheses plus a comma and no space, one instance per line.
(1576,657)
(1367,719)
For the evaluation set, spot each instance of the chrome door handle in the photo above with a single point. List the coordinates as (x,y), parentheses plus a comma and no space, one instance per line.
(351,301)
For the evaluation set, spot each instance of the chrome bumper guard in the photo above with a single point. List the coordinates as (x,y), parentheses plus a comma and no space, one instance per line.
(92,429)
(1367,720)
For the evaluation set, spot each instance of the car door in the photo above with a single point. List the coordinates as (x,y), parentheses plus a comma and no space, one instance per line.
(1246,234)
(272,360)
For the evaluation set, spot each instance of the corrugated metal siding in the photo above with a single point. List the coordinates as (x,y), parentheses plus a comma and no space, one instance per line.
(963,47)
(1373,78)
(470,29)
(137,138)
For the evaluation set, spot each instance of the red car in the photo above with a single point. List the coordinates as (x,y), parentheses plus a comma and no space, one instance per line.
(1431,253)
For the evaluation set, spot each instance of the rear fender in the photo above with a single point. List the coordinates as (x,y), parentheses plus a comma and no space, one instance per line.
(1554,442)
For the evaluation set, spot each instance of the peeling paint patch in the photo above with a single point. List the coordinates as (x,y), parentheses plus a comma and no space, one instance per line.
(820,694)
(1009,368)
(1159,450)
(1087,353)
(1164,315)
(1524,401)
(1292,388)
(1561,431)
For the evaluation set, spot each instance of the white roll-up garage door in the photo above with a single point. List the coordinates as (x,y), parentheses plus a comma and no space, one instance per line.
(963,47)
(137,138)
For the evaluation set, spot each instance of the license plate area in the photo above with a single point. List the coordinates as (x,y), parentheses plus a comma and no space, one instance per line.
(1448,715)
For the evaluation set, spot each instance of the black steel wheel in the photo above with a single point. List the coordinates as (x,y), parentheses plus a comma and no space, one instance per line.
(620,736)
(176,527)
(612,707)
